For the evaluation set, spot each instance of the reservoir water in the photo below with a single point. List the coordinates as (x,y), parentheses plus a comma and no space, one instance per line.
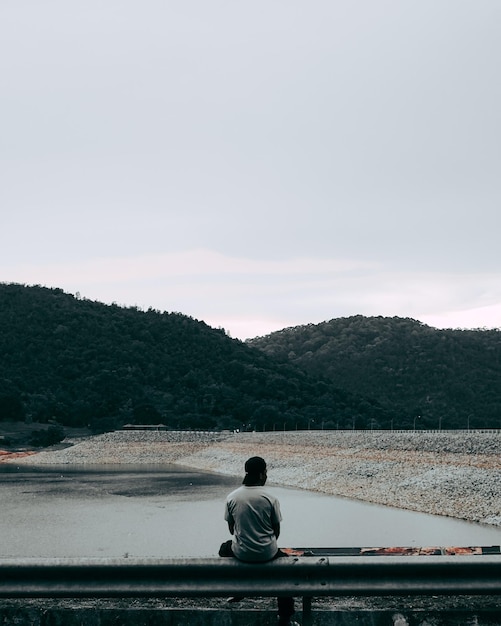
(155,511)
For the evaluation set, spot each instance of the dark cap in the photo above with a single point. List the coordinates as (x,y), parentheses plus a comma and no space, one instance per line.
(255,466)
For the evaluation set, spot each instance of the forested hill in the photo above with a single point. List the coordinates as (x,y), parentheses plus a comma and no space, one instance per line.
(439,378)
(80,362)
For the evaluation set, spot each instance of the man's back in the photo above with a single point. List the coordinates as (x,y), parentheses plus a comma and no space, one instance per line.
(255,515)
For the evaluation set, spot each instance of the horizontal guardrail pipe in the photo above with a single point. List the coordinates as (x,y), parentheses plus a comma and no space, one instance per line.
(296,576)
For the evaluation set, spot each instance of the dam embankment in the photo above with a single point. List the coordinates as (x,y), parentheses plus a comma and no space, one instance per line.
(457,474)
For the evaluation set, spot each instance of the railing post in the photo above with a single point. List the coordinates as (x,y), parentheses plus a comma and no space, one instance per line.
(307,619)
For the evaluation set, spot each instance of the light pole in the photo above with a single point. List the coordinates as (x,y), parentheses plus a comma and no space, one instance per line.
(416,418)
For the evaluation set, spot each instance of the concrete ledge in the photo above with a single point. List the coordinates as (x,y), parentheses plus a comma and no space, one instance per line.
(39,616)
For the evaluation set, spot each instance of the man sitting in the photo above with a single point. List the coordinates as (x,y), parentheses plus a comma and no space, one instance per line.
(253,516)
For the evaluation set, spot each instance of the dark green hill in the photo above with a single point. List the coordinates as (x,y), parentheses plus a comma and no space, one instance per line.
(79,362)
(438,378)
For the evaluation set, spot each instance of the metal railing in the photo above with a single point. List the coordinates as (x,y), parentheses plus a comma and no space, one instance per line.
(210,577)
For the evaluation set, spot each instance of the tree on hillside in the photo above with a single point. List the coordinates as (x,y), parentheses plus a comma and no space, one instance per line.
(83,362)
(407,367)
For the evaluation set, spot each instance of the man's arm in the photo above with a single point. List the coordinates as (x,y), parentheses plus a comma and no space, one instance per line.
(229,518)
(276,529)
(276,517)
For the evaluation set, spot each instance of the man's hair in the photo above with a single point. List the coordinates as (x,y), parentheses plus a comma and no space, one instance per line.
(255,466)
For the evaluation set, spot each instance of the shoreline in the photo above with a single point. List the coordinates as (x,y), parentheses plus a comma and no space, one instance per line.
(456,474)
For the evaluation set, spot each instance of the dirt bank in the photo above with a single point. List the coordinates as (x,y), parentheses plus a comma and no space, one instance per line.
(449,473)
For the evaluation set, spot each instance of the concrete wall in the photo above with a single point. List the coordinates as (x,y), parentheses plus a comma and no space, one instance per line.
(42,616)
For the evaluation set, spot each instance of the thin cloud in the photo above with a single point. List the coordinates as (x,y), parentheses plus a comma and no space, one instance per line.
(250,297)
(193,263)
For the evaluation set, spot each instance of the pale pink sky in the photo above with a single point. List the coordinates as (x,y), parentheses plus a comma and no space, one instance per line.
(256,165)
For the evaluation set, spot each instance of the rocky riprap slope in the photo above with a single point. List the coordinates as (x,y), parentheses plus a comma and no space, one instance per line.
(446,473)
(127,446)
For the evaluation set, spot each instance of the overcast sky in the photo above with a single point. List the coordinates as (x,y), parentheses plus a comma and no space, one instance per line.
(255,165)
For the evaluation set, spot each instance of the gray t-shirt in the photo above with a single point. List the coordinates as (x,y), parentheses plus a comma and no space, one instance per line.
(254,512)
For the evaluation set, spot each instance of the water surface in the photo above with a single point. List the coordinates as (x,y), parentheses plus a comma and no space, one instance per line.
(156,511)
